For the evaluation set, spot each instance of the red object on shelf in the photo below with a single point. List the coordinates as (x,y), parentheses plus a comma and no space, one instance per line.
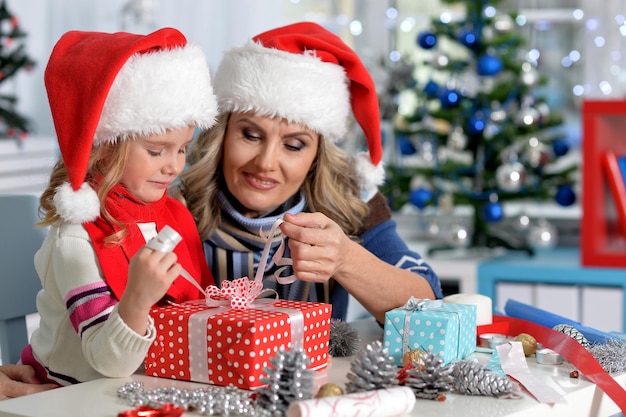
(617,186)
(603,243)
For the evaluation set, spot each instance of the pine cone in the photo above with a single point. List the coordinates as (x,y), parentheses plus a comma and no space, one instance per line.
(286,381)
(372,369)
(429,378)
(572,332)
(472,378)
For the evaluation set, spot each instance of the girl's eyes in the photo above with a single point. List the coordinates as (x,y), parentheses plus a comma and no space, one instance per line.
(182,151)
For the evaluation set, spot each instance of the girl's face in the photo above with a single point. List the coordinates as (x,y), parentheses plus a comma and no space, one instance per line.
(154,162)
(266,160)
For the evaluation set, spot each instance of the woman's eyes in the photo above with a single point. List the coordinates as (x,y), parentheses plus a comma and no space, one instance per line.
(154,153)
(291,145)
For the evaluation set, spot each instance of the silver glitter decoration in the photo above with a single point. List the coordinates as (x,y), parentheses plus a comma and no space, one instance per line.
(372,369)
(472,378)
(572,332)
(207,401)
(429,379)
(610,355)
(344,339)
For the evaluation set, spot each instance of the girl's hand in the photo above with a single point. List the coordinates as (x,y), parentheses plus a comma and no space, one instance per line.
(150,275)
(319,248)
(18,380)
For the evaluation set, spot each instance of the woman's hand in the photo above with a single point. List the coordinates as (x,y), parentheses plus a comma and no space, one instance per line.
(19,380)
(319,248)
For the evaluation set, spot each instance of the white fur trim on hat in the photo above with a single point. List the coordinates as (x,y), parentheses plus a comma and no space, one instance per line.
(78,206)
(369,177)
(156,91)
(300,88)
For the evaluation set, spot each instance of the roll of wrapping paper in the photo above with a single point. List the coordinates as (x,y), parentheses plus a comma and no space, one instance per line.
(390,402)
(523,311)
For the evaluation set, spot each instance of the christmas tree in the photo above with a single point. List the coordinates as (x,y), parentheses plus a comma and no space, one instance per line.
(13,58)
(479,132)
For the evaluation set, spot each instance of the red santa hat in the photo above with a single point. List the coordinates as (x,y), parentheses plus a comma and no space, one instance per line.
(105,87)
(305,74)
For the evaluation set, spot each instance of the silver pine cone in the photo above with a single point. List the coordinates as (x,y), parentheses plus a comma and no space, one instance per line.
(572,332)
(472,378)
(429,378)
(286,381)
(372,369)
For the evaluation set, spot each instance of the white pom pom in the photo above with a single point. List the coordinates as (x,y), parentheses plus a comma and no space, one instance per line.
(369,177)
(79,206)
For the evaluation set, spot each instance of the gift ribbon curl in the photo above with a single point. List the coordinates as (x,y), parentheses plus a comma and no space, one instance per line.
(242,292)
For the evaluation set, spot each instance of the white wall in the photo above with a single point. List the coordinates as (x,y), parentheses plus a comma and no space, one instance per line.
(213,24)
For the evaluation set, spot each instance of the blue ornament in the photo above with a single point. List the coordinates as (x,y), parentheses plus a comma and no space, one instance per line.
(475,125)
(493,212)
(426,40)
(468,38)
(450,98)
(431,88)
(420,197)
(405,145)
(489,65)
(565,195)
(560,147)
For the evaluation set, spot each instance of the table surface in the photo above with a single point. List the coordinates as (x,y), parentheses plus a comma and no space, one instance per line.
(99,397)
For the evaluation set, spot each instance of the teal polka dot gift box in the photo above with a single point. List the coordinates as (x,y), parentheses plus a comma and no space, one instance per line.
(431,326)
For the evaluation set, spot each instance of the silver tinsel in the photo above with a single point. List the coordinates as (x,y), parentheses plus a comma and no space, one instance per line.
(286,381)
(572,332)
(344,339)
(472,378)
(430,378)
(207,401)
(610,355)
(372,369)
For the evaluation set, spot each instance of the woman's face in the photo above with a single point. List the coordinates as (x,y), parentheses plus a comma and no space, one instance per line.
(266,160)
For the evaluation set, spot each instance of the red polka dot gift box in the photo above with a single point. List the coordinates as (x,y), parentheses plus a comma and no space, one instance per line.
(223,346)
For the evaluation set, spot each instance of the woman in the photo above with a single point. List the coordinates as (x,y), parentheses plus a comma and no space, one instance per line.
(284,100)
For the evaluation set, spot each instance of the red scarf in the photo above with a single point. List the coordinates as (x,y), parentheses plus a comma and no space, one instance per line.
(129,211)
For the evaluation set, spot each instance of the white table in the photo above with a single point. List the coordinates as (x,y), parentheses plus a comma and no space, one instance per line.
(99,398)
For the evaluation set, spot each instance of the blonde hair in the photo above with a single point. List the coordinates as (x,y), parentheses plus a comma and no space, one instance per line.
(329,187)
(106,166)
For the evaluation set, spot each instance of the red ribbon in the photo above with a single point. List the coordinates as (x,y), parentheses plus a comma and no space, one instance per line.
(166,410)
(574,352)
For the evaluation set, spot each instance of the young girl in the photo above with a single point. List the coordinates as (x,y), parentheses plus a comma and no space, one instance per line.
(125,107)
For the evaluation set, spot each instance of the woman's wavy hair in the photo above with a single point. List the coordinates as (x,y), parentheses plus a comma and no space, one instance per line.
(106,166)
(329,186)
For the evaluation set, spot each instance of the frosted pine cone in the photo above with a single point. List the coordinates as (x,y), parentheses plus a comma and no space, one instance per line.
(472,378)
(429,378)
(372,369)
(572,332)
(287,380)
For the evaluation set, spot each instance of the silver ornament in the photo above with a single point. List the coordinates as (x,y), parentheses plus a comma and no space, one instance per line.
(457,138)
(527,116)
(459,236)
(510,176)
(537,154)
(503,23)
(542,234)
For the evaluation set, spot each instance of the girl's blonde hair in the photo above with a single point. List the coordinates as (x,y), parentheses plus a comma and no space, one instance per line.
(329,187)
(106,166)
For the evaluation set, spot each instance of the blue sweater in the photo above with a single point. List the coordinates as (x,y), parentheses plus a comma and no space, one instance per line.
(384,241)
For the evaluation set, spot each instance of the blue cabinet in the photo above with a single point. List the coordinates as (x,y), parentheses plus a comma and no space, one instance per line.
(554,280)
